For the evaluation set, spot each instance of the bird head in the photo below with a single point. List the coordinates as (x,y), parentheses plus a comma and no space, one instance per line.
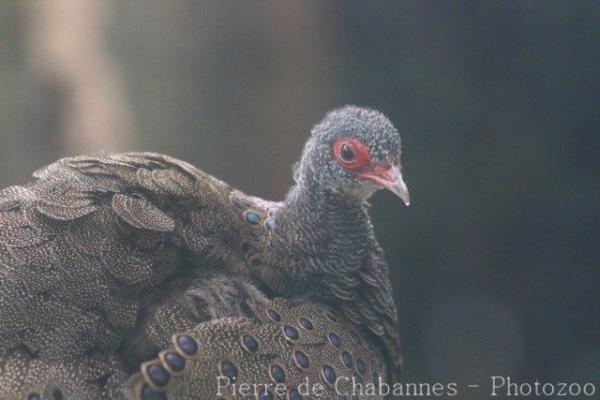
(354,151)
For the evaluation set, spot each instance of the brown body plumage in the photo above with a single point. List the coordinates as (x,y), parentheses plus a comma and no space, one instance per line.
(104,258)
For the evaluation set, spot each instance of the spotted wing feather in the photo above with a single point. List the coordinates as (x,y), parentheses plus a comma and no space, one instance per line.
(286,343)
(81,246)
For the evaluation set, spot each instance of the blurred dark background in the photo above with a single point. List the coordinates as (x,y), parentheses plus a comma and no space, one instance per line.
(495,266)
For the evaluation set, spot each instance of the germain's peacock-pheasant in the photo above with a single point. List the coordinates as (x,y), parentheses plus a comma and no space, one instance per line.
(108,261)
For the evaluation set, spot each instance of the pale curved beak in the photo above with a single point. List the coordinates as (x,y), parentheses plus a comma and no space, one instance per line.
(390,179)
(400,189)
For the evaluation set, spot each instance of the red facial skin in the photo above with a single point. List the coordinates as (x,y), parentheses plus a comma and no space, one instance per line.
(362,165)
(385,174)
(362,154)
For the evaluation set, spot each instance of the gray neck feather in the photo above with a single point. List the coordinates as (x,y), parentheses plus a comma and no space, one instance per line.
(322,235)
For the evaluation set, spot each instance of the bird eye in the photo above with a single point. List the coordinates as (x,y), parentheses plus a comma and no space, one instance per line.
(347,153)
(350,153)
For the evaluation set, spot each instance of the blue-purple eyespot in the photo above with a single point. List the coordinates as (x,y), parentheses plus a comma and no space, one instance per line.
(294,394)
(347,359)
(334,339)
(150,394)
(274,315)
(360,366)
(301,359)
(158,374)
(174,361)
(229,370)
(306,324)
(328,374)
(291,333)
(277,374)
(187,345)
(249,343)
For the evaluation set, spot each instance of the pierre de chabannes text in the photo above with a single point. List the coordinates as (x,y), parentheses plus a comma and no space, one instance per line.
(495,386)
